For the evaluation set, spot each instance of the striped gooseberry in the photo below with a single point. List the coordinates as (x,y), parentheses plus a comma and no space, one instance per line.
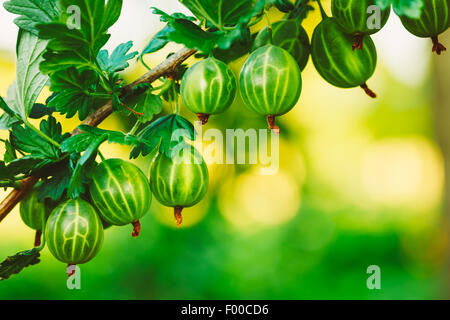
(289,35)
(270,83)
(355,18)
(179,182)
(74,232)
(433,21)
(335,60)
(208,88)
(34,214)
(121,193)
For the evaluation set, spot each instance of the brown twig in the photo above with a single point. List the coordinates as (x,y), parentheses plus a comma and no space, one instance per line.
(166,67)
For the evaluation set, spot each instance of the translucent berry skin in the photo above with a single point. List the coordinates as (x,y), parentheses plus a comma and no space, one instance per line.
(179,183)
(120,191)
(270,81)
(74,232)
(335,60)
(353,16)
(433,21)
(208,87)
(33,212)
(289,35)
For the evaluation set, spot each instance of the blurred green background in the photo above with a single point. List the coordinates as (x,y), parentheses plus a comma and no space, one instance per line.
(361,182)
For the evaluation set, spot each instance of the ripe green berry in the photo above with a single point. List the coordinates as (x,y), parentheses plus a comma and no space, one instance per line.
(433,21)
(270,82)
(335,60)
(74,232)
(179,183)
(208,88)
(34,214)
(354,18)
(289,35)
(121,193)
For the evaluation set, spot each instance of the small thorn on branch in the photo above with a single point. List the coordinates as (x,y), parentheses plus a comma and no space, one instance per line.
(178,215)
(437,46)
(203,117)
(37,238)
(359,42)
(272,125)
(369,92)
(136,229)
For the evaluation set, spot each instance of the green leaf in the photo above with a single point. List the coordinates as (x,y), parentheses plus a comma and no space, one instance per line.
(32,12)
(112,136)
(10,153)
(224,12)
(118,61)
(283,5)
(76,92)
(147,103)
(87,160)
(16,263)
(78,47)
(29,80)
(55,185)
(77,143)
(8,118)
(161,133)
(409,8)
(159,41)
(22,166)
(186,32)
(28,141)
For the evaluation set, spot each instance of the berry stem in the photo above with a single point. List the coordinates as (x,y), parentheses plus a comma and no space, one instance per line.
(269,27)
(178,216)
(369,92)
(69,271)
(437,46)
(136,228)
(272,125)
(203,117)
(359,42)
(37,238)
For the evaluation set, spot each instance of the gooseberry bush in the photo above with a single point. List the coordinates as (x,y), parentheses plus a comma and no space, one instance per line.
(67,195)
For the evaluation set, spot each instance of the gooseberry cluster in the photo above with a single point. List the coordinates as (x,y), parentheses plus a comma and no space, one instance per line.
(270,84)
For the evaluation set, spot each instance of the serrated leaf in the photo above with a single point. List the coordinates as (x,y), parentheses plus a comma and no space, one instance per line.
(159,41)
(10,152)
(75,92)
(226,12)
(78,47)
(148,104)
(28,141)
(161,133)
(76,186)
(16,263)
(118,61)
(77,143)
(22,166)
(32,12)
(29,80)
(55,185)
